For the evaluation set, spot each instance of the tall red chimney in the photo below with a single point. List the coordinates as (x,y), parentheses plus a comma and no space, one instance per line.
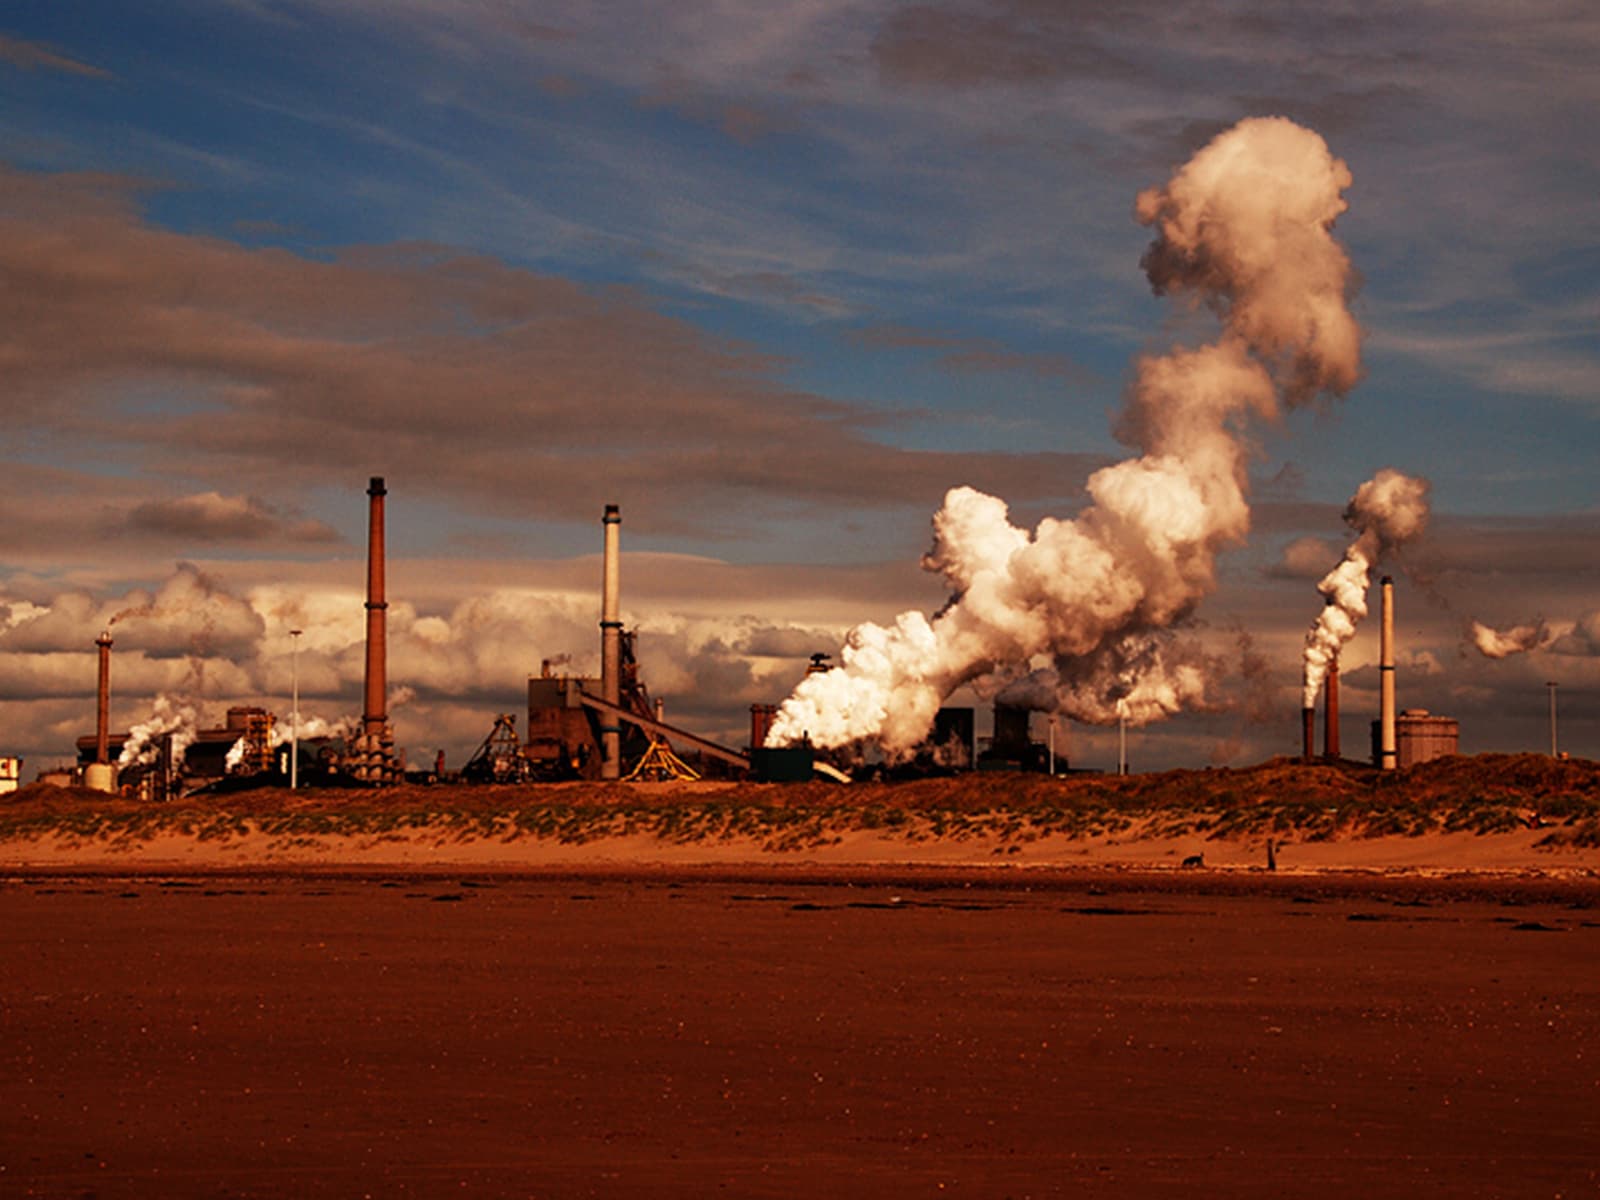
(102,715)
(1387,758)
(1308,734)
(1330,716)
(761,716)
(374,715)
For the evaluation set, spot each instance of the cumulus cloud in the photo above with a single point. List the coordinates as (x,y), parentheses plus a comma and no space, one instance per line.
(213,517)
(195,645)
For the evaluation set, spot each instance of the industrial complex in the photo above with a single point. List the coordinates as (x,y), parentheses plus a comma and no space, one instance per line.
(608,728)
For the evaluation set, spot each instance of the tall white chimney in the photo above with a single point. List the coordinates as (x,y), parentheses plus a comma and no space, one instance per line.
(1386,739)
(611,645)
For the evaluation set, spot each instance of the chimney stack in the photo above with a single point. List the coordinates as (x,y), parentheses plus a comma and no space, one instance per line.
(102,715)
(1330,716)
(611,645)
(761,716)
(374,746)
(1386,738)
(374,714)
(1308,734)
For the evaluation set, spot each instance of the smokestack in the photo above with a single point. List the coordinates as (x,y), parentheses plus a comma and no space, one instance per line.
(1386,741)
(760,722)
(1330,716)
(102,716)
(374,715)
(1308,734)
(611,644)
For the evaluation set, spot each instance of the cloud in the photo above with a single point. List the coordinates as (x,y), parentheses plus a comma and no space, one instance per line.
(463,639)
(969,355)
(33,56)
(1306,558)
(1011,42)
(212,517)
(482,383)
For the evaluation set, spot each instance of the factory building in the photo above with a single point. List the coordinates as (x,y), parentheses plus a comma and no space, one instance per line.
(1421,737)
(246,736)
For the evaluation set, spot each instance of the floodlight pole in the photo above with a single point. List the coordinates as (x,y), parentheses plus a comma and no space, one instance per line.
(1122,737)
(294,710)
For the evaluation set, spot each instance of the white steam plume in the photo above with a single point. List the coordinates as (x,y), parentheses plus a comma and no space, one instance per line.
(1387,511)
(1503,643)
(167,715)
(311,728)
(1245,226)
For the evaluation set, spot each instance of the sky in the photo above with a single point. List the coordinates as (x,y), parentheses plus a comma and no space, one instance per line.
(774,280)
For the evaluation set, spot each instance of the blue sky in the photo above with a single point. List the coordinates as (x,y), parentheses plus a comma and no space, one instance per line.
(773,279)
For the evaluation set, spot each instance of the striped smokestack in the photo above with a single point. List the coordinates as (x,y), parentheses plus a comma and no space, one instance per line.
(1386,739)
(375,716)
(611,644)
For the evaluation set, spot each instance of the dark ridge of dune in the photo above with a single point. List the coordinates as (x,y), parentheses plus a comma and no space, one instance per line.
(1484,794)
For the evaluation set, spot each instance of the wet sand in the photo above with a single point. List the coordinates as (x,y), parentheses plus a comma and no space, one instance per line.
(775,1033)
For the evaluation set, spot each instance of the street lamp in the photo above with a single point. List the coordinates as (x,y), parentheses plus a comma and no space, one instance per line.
(1551,684)
(294,710)
(1122,737)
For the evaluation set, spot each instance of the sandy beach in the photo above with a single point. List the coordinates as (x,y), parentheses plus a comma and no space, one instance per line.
(247,846)
(704,992)
(982,1034)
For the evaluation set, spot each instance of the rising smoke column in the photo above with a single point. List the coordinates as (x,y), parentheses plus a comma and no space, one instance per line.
(1387,511)
(1245,228)
(167,715)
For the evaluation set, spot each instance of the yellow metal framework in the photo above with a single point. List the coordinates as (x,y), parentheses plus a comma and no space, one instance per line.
(659,764)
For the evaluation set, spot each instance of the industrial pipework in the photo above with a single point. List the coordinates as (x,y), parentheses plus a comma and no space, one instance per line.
(1386,712)
(611,645)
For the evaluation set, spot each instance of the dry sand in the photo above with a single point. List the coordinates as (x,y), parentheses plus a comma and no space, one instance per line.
(948,1033)
(432,1012)
(1515,852)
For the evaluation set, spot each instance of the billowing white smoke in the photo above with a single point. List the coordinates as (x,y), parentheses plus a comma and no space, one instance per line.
(1245,227)
(311,728)
(1503,643)
(167,715)
(1387,511)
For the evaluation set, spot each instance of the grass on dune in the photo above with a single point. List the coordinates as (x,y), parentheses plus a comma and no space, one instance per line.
(1483,794)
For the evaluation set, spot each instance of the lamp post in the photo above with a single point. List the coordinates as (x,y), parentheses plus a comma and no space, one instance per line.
(1122,737)
(1551,684)
(294,710)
